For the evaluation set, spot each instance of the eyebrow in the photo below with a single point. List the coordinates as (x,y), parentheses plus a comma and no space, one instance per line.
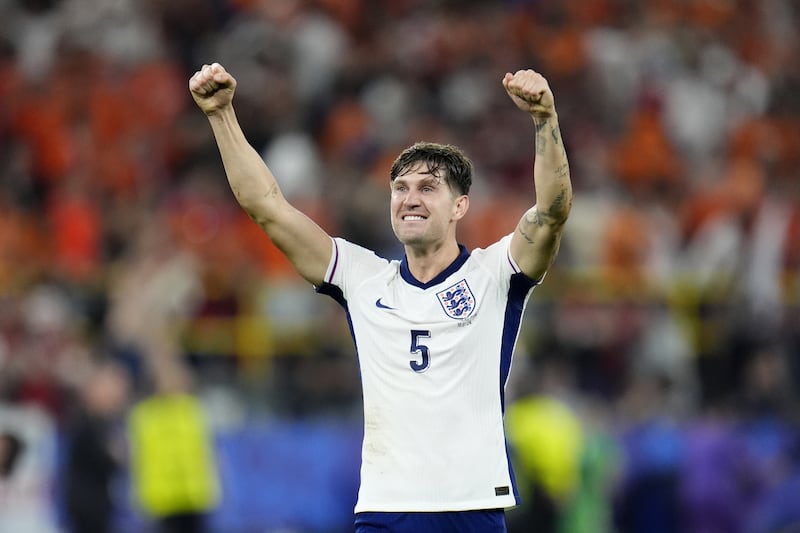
(429,179)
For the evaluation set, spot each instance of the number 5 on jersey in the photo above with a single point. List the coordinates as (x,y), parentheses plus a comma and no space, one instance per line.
(416,348)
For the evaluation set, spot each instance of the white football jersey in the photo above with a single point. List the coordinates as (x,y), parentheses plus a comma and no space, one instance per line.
(434,360)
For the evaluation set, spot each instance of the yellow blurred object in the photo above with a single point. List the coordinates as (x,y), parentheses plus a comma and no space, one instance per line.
(173,468)
(548,441)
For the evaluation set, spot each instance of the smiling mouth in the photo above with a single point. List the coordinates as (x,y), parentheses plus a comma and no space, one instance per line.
(413,217)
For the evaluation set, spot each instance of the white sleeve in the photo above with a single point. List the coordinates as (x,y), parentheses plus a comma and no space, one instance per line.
(351,264)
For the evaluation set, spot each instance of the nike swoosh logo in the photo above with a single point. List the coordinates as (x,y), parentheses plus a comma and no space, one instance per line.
(381,305)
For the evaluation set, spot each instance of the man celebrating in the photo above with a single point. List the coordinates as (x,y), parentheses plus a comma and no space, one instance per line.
(434,332)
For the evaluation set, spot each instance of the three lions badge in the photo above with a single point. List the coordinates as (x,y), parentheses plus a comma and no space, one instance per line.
(457,300)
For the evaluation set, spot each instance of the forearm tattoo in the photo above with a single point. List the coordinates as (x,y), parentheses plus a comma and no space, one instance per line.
(562,171)
(542,138)
(561,204)
(554,197)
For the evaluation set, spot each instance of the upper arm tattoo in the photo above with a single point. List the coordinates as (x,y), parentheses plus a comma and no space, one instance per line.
(530,219)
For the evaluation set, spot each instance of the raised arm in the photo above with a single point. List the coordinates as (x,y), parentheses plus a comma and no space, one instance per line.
(536,239)
(304,243)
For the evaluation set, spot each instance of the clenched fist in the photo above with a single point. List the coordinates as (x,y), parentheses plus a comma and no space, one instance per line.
(531,93)
(212,88)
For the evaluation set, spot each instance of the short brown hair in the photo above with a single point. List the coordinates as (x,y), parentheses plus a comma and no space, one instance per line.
(457,166)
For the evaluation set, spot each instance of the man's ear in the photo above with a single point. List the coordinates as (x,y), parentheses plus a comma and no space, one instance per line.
(460,207)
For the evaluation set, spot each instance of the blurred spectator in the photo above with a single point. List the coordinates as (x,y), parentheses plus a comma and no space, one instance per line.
(26,487)
(173,467)
(590,509)
(546,439)
(96,450)
(778,511)
(10,449)
(653,447)
(156,285)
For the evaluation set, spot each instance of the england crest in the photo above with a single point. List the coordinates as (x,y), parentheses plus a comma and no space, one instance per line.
(457,300)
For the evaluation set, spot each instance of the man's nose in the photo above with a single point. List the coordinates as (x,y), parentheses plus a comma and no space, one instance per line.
(411,198)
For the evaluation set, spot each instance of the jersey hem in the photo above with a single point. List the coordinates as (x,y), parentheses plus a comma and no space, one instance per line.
(428,507)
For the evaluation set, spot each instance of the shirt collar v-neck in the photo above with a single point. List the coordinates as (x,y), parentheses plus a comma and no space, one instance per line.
(458,262)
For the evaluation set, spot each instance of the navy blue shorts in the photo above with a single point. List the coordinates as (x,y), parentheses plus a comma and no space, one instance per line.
(482,521)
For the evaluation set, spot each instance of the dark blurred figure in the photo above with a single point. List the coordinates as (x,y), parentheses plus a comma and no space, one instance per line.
(546,441)
(95,450)
(10,448)
(652,443)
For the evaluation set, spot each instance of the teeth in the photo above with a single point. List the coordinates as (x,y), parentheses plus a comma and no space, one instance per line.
(413,217)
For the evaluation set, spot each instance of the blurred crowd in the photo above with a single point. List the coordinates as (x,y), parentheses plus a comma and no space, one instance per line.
(663,345)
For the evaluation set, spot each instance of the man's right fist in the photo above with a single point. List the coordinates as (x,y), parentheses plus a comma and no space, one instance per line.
(212,88)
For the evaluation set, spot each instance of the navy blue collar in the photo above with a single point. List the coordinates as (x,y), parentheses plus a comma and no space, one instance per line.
(463,255)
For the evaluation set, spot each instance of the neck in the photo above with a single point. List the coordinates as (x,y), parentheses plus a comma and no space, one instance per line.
(425,264)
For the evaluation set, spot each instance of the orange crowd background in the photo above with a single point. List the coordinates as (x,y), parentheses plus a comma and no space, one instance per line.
(119,237)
